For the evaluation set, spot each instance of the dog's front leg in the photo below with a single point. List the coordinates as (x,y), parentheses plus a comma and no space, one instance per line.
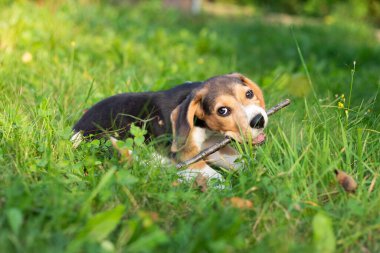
(202,168)
(193,147)
(226,157)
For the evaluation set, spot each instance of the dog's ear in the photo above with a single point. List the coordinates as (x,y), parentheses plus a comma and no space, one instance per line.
(255,88)
(182,119)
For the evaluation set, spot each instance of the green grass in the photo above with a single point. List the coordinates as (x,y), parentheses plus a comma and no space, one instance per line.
(82,53)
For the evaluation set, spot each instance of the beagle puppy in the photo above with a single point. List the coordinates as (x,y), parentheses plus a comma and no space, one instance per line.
(195,114)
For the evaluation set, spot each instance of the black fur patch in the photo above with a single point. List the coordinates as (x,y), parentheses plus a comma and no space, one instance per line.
(115,114)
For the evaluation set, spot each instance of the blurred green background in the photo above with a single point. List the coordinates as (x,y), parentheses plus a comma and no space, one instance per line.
(365,10)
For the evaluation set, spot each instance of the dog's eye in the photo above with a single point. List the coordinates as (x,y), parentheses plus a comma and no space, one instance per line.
(249,94)
(224,111)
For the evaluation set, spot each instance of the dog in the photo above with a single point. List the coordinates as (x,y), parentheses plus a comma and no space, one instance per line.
(195,114)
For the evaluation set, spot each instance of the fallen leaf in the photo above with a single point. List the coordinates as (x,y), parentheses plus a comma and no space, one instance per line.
(297,207)
(346,181)
(154,216)
(200,182)
(310,203)
(125,153)
(175,183)
(372,185)
(239,203)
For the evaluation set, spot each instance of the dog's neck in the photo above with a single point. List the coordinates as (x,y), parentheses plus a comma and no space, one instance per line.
(200,123)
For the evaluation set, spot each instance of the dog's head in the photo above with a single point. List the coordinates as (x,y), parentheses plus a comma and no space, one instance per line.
(230,104)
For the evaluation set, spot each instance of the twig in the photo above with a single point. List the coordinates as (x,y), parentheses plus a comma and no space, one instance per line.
(278,107)
(206,152)
(210,150)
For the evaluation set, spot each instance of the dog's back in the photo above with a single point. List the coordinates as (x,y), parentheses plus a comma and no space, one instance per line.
(115,114)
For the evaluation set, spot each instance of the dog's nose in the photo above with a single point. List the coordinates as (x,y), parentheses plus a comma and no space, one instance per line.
(258,121)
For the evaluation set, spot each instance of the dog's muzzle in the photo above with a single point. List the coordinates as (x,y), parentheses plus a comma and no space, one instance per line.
(258,121)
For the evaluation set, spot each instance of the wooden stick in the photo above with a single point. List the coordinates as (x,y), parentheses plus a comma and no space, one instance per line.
(278,107)
(212,149)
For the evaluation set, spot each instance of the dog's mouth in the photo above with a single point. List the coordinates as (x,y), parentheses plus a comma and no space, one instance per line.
(259,139)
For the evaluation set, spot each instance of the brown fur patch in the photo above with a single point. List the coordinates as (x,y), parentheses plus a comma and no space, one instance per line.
(182,118)
(255,88)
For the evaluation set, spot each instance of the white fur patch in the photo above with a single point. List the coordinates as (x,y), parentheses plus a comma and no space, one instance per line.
(199,136)
(207,171)
(224,160)
(252,110)
(161,159)
(76,139)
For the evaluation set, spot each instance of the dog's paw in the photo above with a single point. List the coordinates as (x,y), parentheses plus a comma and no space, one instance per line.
(190,174)
(213,177)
